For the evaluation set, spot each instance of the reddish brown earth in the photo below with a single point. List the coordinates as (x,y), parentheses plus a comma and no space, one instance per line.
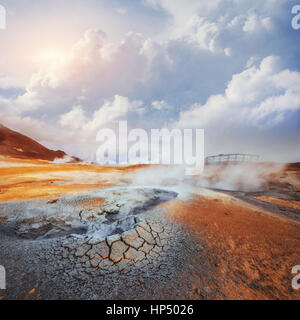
(16,145)
(251,252)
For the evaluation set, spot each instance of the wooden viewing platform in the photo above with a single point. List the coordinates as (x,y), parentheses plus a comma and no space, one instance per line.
(233,158)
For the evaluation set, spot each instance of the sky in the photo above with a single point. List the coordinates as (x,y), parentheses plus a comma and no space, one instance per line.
(231,67)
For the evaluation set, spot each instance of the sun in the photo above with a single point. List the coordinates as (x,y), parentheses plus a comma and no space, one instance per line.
(51,56)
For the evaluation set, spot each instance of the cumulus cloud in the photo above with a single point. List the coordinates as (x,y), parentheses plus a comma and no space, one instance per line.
(216,34)
(113,110)
(29,101)
(95,69)
(255,23)
(73,119)
(257,97)
(204,33)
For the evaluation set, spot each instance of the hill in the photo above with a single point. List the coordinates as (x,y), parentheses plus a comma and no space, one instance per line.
(16,145)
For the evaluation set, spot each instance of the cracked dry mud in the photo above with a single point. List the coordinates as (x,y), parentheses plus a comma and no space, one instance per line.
(121,249)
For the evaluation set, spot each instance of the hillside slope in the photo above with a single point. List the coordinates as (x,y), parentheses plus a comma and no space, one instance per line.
(16,145)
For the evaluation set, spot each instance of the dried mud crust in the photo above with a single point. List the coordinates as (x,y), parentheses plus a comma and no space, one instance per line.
(145,262)
(115,253)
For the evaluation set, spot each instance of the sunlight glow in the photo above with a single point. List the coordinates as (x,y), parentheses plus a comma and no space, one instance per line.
(51,56)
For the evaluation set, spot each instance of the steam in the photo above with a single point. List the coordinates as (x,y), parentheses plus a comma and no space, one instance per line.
(65,159)
(238,177)
(171,178)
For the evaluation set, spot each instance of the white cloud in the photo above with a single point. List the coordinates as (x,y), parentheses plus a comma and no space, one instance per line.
(82,130)
(73,119)
(258,97)
(28,101)
(96,69)
(113,110)
(255,23)
(160,105)
(226,33)
(203,32)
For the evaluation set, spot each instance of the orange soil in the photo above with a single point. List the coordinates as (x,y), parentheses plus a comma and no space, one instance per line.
(253,252)
(36,179)
(293,204)
(40,191)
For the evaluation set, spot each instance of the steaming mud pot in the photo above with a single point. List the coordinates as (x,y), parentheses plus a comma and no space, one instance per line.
(97,214)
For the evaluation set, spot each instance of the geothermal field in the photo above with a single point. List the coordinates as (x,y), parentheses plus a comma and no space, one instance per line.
(84,231)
